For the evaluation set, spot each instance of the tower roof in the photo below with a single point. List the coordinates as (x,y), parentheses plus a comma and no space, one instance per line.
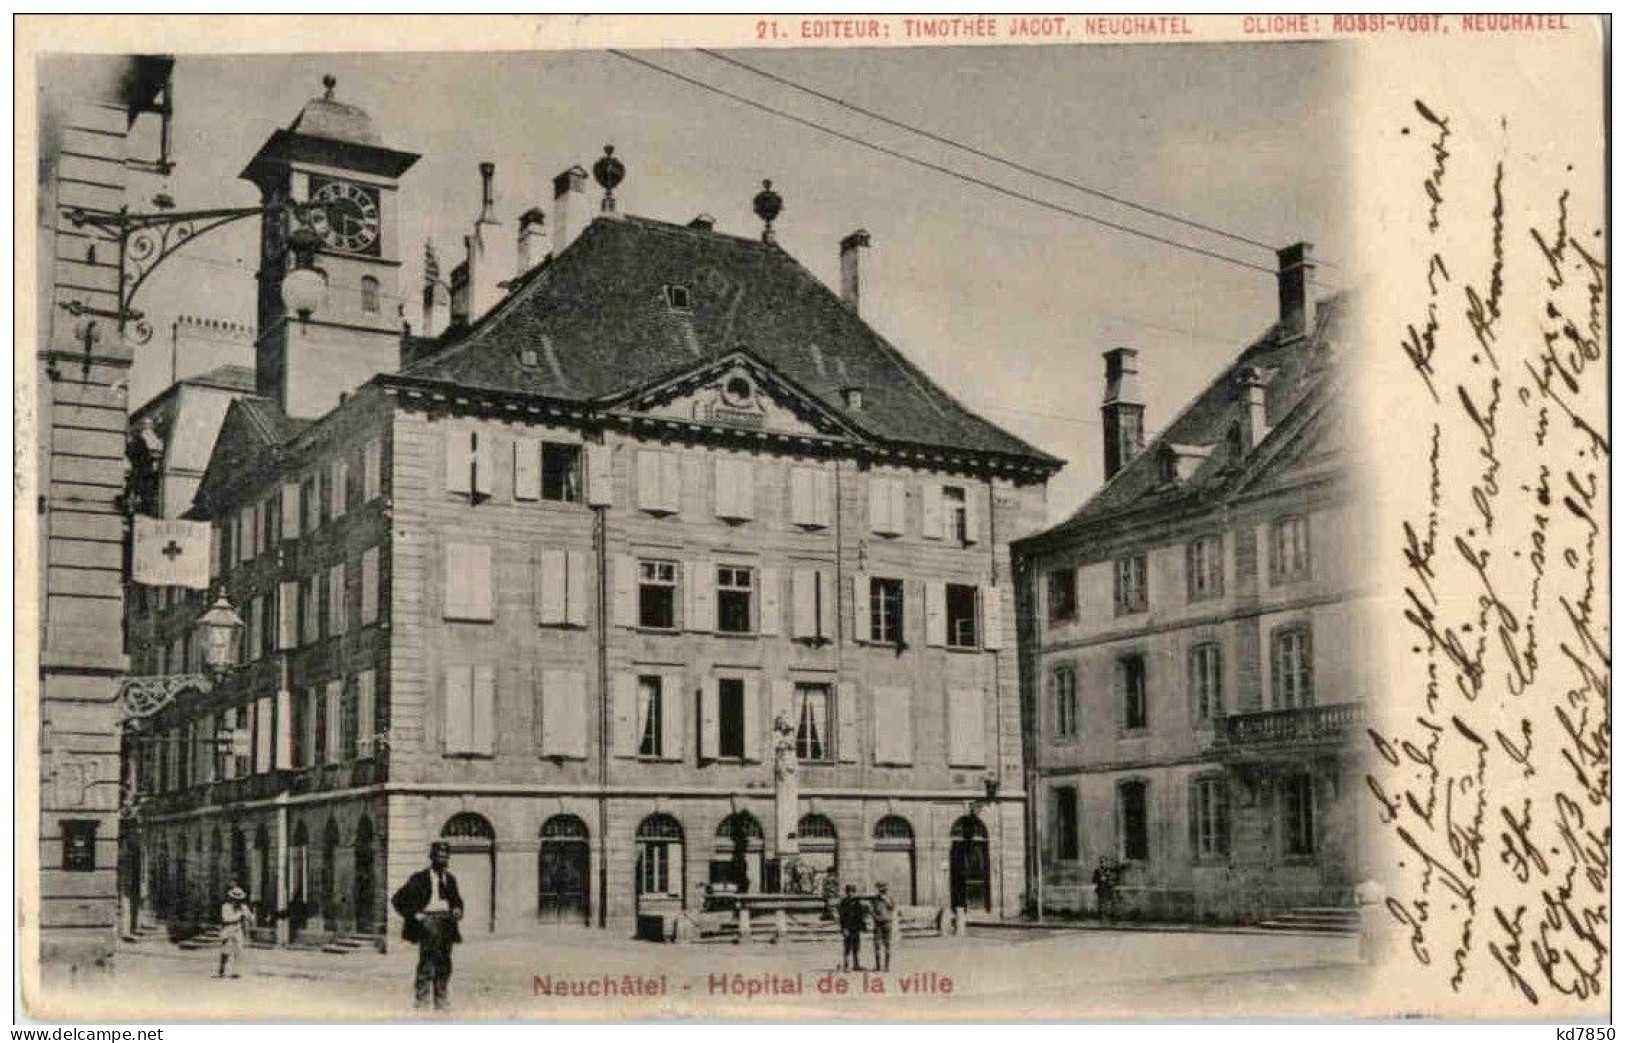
(327,117)
(331,133)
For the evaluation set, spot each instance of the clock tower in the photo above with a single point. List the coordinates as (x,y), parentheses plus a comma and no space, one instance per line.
(329,154)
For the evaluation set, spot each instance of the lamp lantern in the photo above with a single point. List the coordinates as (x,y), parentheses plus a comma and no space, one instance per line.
(219,630)
(304,288)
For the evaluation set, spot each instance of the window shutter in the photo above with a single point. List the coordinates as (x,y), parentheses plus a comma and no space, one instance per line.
(804,603)
(709,720)
(966,728)
(1307,696)
(699,584)
(468,581)
(527,469)
(724,487)
(600,475)
(860,607)
(341,486)
(846,713)
(576,589)
(372,470)
(335,721)
(899,506)
(931,514)
(768,581)
(1276,695)
(338,607)
(562,713)
(459,460)
(265,733)
(671,482)
(802,508)
(485,462)
(485,709)
(370,587)
(745,489)
(825,581)
(973,513)
(626,590)
(993,618)
(672,716)
(823,498)
(551,588)
(216,542)
(784,695)
(894,726)
(879,505)
(457,691)
(623,697)
(936,613)
(283,754)
(649,496)
(287,615)
(753,717)
(245,535)
(366,712)
(310,611)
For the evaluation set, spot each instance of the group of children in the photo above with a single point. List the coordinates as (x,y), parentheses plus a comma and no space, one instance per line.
(855,913)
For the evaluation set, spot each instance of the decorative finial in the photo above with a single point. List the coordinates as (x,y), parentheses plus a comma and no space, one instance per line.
(329,81)
(768,204)
(608,172)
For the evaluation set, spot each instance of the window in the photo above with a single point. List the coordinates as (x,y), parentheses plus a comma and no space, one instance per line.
(812,495)
(79,845)
(660,481)
(370,586)
(1129,584)
(366,712)
(1063,816)
(372,470)
(470,699)
(650,730)
(660,856)
(733,599)
(961,615)
(468,580)
(657,595)
(1204,567)
(1298,816)
(813,739)
(470,463)
(955,516)
(338,487)
(310,606)
(1132,827)
(338,602)
(1131,684)
(1289,548)
(888,506)
(731,717)
(735,488)
(310,498)
(1210,818)
(1063,595)
(886,611)
(369,295)
(677,297)
(1064,685)
(561,472)
(1293,669)
(1207,682)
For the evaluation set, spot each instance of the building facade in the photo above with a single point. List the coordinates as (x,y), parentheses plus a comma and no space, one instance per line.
(1195,647)
(91,111)
(546,590)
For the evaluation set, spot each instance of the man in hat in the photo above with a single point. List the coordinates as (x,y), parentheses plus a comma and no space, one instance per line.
(883,910)
(431,906)
(234,917)
(851,914)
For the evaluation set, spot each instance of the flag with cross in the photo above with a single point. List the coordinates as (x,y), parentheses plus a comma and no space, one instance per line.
(171,553)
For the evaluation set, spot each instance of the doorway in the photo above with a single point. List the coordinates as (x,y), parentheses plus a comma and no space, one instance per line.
(968,865)
(893,860)
(473,863)
(363,882)
(563,873)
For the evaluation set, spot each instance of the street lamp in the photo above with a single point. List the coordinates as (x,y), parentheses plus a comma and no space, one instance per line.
(219,631)
(304,288)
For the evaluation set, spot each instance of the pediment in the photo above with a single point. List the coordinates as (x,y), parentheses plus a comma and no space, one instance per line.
(738,391)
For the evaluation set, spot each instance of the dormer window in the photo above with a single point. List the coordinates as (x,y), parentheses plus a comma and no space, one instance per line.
(853,397)
(677,298)
(529,358)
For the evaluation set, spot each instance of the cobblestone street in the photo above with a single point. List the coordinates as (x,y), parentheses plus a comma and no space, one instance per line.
(1018,973)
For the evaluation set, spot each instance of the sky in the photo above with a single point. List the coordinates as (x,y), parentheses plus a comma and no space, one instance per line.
(1007,305)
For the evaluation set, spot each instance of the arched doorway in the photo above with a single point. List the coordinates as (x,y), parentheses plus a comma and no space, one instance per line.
(299,910)
(473,862)
(893,858)
(327,888)
(737,857)
(969,886)
(363,882)
(660,862)
(563,872)
(816,835)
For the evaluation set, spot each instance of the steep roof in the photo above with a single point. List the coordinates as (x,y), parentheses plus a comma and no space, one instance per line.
(1297,373)
(601,322)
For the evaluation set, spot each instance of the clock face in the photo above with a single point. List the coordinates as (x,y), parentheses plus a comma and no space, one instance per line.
(349,221)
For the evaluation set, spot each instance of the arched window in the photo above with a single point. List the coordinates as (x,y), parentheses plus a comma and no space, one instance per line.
(968,827)
(660,857)
(816,835)
(893,830)
(892,861)
(564,827)
(468,825)
(369,294)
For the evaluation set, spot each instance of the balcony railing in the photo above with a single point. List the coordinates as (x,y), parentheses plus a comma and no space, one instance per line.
(1316,725)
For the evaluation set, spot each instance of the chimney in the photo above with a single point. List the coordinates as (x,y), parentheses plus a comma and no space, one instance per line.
(1123,413)
(461,278)
(483,288)
(1252,422)
(1295,281)
(569,207)
(530,232)
(434,293)
(703,222)
(852,268)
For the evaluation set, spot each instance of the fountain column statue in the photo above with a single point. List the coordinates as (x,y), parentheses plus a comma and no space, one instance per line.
(786,798)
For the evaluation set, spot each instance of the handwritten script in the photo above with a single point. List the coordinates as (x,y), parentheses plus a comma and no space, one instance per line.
(1492,775)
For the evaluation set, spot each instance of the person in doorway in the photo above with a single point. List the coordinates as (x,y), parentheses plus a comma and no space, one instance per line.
(851,914)
(234,917)
(430,904)
(883,910)
(1106,890)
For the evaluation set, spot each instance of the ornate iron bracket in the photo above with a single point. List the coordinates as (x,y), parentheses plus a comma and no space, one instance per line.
(141,697)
